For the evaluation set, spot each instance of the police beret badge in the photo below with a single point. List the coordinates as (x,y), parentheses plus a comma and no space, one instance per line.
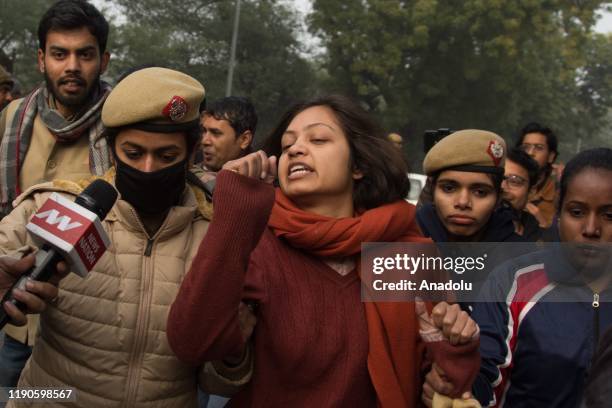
(496,151)
(176,108)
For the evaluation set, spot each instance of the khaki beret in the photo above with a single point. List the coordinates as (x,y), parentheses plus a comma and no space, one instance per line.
(5,77)
(467,150)
(154,99)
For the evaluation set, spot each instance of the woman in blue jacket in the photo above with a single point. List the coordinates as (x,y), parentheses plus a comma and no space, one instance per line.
(539,336)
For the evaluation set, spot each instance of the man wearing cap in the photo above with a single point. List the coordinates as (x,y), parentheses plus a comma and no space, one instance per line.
(104,334)
(6,88)
(55,131)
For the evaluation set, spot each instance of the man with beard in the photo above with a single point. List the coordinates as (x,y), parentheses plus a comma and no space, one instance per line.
(55,131)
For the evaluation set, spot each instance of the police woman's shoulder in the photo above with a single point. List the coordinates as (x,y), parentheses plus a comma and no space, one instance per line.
(47,188)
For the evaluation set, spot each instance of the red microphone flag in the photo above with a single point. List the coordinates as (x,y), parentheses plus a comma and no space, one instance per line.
(73,230)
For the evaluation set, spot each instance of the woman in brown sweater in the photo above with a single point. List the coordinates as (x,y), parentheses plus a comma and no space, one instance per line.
(293,253)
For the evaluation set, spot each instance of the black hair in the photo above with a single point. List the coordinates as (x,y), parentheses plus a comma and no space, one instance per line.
(71,15)
(382,164)
(534,127)
(525,161)
(238,111)
(598,158)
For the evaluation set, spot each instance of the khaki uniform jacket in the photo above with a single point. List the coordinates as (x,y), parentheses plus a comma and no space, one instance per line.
(44,161)
(105,334)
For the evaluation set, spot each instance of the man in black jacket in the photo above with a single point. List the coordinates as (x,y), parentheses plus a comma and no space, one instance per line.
(520,175)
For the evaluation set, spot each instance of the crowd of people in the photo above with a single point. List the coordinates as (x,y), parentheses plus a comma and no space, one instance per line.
(234,275)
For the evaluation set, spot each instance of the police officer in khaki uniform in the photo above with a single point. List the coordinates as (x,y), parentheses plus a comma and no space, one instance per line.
(110,326)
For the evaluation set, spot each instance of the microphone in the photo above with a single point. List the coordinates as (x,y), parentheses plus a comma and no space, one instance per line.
(66,230)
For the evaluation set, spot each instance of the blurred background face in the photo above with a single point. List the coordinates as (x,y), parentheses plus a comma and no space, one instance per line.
(150,151)
(220,143)
(5,95)
(515,187)
(535,145)
(585,218)
(464,201)
(396,139)
(314,166)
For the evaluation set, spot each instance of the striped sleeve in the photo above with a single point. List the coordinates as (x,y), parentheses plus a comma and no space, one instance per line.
(516,292)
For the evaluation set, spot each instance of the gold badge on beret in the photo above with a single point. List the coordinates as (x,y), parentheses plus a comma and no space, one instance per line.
(176,108)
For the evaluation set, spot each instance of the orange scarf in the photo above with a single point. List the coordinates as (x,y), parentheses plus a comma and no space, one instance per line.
(395,352)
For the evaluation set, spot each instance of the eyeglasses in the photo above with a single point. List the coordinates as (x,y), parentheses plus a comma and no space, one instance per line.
(528,147)
(515,181)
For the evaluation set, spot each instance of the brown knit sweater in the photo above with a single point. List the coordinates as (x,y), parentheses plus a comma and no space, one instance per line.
(310,341)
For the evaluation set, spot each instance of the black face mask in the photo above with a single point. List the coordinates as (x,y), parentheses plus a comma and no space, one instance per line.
(151,193)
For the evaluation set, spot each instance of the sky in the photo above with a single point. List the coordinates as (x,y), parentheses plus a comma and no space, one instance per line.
(605,24)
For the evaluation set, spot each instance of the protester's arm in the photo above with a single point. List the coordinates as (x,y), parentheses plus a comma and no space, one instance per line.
(451,339)
(492,319)
(227,377)
(221,378)
(203,323)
